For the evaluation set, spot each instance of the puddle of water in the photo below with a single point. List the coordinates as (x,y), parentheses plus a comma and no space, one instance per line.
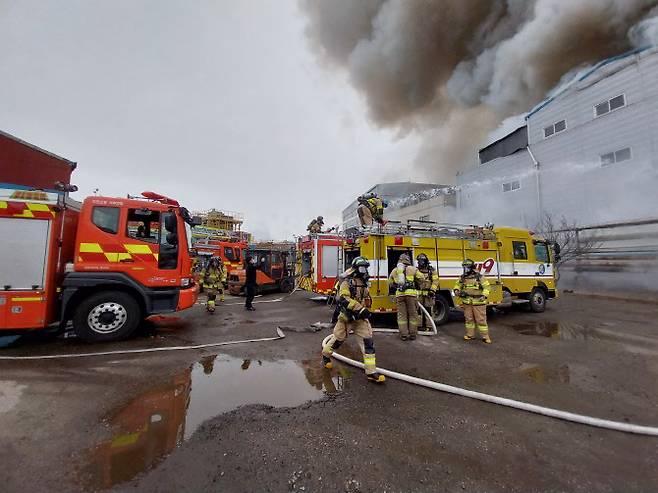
(540,374)
(150,426)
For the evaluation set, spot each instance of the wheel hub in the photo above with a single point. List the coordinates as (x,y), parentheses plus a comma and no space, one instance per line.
(107,317)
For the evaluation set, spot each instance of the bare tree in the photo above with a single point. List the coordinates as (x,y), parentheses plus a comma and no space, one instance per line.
(570,240)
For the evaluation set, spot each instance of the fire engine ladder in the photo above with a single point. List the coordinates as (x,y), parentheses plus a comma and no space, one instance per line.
(429,229)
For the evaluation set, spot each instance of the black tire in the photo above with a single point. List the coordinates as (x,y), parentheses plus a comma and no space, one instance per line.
(538,300)
(286,285)
(441,310)
(106,316)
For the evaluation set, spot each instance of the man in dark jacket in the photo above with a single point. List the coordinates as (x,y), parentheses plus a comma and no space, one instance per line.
(250,282)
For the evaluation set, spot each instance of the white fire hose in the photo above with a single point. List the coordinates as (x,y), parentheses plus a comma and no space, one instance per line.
(502,401)
(432,332)
(280,335)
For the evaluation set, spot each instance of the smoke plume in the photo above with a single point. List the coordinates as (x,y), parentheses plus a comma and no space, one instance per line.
(454,69)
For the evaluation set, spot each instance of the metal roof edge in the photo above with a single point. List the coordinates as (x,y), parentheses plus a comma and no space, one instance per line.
(72,164)
(587,74)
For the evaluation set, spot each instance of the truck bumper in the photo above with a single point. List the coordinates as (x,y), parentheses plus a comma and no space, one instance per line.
(187,297)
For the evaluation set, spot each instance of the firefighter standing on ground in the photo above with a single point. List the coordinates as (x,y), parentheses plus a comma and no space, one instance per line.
(428,287)
(473,289)
(406,279)
(213,278)
(354,300)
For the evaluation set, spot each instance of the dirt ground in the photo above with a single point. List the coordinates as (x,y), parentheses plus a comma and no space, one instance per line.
(265,416)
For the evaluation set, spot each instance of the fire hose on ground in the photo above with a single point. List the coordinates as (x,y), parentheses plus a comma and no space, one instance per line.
(280,335)
(502,401)
(432,332)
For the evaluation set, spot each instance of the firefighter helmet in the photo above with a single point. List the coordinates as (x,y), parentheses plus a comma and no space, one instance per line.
(423,261)
(320,219)
(360,262)
(468,263)
(404,258)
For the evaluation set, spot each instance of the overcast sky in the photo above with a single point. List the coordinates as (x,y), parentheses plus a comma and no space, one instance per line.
(216,103)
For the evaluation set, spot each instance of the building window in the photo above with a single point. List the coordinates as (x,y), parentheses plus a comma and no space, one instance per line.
(511,186)
(424,218)
(619,156)
(556,128)
(610,105)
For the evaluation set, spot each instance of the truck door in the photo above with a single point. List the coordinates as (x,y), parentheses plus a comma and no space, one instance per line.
(520,261)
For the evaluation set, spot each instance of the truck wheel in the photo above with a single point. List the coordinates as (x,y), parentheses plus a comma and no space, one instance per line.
(441,310)
(286,286)
(537,300)
(106,316)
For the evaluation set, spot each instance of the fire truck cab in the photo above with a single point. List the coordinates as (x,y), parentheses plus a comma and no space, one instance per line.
(104,264)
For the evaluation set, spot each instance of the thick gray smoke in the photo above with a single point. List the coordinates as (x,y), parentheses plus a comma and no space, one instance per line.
(454,69)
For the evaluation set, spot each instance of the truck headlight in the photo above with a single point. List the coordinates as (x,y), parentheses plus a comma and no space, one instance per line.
(185,282)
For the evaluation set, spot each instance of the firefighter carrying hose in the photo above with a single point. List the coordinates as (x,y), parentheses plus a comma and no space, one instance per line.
(473,289)
(354,300)
(428,287)
(213,278)
(405,279)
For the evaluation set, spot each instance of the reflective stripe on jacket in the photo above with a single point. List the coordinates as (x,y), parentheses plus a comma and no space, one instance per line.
(413,278)
(430,283)
(474,289)
(355,300)
(213,278)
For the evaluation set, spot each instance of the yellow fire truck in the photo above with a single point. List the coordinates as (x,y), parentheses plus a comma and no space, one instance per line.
(518,264)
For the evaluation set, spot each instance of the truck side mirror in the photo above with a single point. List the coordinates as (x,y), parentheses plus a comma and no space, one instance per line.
(196,221)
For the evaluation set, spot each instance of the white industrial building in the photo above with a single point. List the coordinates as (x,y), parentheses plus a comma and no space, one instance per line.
(586,154)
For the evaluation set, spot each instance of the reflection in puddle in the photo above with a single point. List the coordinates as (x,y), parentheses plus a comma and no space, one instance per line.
(150,426)
(540,374)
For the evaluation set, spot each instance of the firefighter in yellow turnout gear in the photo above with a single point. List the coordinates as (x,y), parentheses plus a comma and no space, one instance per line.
(213,278)
(354,299)
(428,288)
(473,289)
(406,280)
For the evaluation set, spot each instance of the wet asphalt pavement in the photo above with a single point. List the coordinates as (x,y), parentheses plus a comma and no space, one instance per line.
(266,417)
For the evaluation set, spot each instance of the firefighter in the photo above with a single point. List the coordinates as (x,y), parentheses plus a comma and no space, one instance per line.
(364,212)
(428,288)
(354,300)
(405,279)
(473,289)
(316,225)
(211,277)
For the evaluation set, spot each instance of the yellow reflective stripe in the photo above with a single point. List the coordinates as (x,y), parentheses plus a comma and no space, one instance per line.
(128,439)
(3,204)
(38,207)
(25,213)
(117,257)
(137,248)
(28,298)
(90,248)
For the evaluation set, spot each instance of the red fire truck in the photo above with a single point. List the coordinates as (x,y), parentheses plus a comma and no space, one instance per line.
(230,251)
(104,264)
(319,261)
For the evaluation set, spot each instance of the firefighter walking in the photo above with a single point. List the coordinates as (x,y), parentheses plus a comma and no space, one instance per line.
(427,291)
(473,290)
(354,300)
(406,279)
(213,278)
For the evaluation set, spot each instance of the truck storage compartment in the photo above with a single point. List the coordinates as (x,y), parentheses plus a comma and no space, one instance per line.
(24,255)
